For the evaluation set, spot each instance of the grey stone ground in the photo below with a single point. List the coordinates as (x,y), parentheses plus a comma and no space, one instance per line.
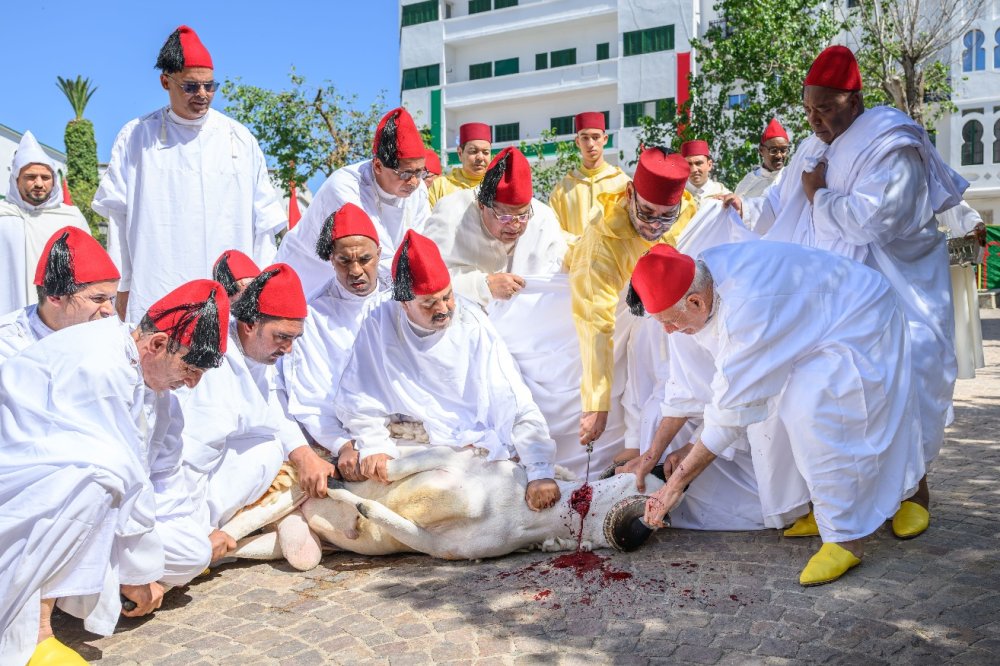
(696,598)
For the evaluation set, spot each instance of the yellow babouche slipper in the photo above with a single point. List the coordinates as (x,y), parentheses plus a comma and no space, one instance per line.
(51,652)
(910,520)
(803,527)
(827,565)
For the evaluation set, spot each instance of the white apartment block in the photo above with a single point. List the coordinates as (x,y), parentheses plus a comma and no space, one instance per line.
(524,66)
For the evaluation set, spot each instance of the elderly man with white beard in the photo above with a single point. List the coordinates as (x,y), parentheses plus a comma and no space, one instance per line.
(30,214)
(816,339)
(76,282)
(236,430)
(88,411)
(493,236)
(867,185)
(311,372)
(389,187)
(428,356)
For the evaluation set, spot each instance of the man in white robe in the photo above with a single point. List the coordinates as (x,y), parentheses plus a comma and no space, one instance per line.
(184,183)
(773,149)
(493,236)
(310,374)
(236,431)
(30,214)
(117,522)
(700,183)
(389,187)
(816,339)
(430,357)
(76,282)
(867,185)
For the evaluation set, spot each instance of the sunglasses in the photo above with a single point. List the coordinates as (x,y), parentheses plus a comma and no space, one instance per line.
(192,87)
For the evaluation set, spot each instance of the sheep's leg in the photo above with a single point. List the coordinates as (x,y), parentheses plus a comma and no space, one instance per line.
(405,531)
(259,547)
(300,546)
(256,516)
(434,457)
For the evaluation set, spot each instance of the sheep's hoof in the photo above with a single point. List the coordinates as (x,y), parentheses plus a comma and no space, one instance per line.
(362,509)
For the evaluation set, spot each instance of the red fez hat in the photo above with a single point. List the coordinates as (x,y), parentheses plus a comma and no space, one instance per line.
(351,220)
(409,143)
(514,183)
(417,268)
(195,53)
(474,132)
(195,315)
(433,162)
(774,130)
(659,178)
(661,277)
(72,257)
(696,147)
(240,265)
(589,120)
(281,293)
(836,67)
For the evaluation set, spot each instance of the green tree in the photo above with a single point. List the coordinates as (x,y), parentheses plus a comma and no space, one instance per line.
(306,129)
(81,151)
(750,67)
(553,160)
(901,44)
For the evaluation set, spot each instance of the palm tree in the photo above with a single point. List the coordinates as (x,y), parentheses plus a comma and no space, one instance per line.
(78,92)
(81,150)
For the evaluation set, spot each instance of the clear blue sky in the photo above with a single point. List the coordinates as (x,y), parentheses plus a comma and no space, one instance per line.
(354,44)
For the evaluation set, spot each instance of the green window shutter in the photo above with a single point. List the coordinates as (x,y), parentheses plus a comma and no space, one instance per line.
(541,61)
(603,51)
(564,57)
(633,111)
(420,12)
(607,119)
(507,66)
(649,40)
(433,75)
(476,6)
(421,77)
(507,132)
(501,4)
(562,125)
(482,70)
(632,42)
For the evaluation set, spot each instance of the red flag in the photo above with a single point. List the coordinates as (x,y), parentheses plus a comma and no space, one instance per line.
(294,215)
(67,199)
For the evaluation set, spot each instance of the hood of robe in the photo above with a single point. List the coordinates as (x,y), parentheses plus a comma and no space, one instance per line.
(29,151)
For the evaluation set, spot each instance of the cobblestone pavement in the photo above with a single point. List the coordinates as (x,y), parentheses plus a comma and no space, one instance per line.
(699,598)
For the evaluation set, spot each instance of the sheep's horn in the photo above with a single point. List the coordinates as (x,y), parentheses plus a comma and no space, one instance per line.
(623,526)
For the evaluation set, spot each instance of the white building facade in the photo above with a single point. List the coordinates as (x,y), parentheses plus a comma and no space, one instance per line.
(525,66)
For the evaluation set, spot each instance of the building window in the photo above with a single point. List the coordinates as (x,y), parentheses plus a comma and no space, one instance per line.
(505,67)
(633,111)
(421,77)
(603,51)
(541,61)
(562,125)
(996,142)
(507,132)
(973,55)
(853,4)
(660,110)
(420,12)
(482,70)
(649,40)
(501,4)
(476,6)
(972,143)
(736,101)
(563,57)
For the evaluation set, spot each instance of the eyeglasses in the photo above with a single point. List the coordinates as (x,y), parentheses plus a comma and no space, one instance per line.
(774,152)
(654,220)
(192,87)
(511,219)
(410,175)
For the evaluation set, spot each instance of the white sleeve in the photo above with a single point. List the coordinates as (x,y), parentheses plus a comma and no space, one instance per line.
(111,201)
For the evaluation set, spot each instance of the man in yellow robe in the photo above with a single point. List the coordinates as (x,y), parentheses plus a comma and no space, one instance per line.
(474,141)
(652,209)
(577,193)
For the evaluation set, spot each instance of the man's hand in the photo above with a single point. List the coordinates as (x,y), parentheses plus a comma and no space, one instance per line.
(674,459)
(121,304)
(592,425)
(662,502)
(815,180)
(504,285)
(640,466)
(222,544)
(542,494)
(373,467)
(732,201)
(147,598)
(313,471)
(348,463)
